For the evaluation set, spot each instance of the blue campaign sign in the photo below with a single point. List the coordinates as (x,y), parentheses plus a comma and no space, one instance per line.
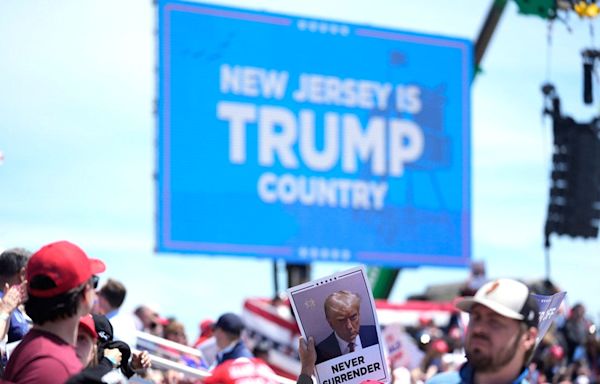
(311,140)
(549,308)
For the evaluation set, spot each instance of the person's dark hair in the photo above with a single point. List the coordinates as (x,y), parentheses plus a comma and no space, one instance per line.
(114,292)
(42,309)
(12,261)
(139,310)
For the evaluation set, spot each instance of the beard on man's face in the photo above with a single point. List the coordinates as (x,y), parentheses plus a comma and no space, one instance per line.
(483,359)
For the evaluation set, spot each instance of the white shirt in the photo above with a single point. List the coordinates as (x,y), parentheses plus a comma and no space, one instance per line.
(344,344)
(123,327)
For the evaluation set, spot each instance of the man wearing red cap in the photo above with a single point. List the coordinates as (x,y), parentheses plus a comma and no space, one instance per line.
(206,332)
(61,286)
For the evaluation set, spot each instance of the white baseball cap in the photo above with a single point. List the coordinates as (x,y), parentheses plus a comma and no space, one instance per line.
(506,297)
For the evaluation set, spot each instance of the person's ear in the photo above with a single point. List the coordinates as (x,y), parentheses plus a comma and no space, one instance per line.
(530,337)
(22,275)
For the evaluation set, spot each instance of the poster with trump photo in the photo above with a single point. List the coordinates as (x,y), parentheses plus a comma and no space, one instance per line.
(338,311)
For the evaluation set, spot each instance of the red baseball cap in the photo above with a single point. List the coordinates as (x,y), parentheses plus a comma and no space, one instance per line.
(557,352)
(65,264)
(206,326)
(440,346)
(86,324)
(242,370)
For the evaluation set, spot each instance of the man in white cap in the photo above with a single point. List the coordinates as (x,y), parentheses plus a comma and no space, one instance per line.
(501,335)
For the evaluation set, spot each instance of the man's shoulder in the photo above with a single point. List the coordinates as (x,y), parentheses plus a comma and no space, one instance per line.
(45,343)
(368,328)
(368,335)
(40,356)
(240,350)
(452,377)
(41,370)
(327,348)
(36,340)
(327,341)
(465,377)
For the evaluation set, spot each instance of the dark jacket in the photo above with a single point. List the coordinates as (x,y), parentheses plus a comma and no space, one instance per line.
(95,374)
(329,348)
(239,350)
(92,375)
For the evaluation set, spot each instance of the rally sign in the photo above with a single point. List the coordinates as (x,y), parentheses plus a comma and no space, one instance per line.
(549,308)
(402,350)
(338,312)
(308,140)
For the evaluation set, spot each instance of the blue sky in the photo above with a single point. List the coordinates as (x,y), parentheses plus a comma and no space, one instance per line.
(77,131)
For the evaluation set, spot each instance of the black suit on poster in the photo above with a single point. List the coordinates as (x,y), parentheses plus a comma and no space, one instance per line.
(329,348)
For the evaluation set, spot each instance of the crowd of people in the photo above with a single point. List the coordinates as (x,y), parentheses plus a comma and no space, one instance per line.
(58,326)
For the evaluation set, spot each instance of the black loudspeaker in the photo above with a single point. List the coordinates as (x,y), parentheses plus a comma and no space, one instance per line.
(588,69)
